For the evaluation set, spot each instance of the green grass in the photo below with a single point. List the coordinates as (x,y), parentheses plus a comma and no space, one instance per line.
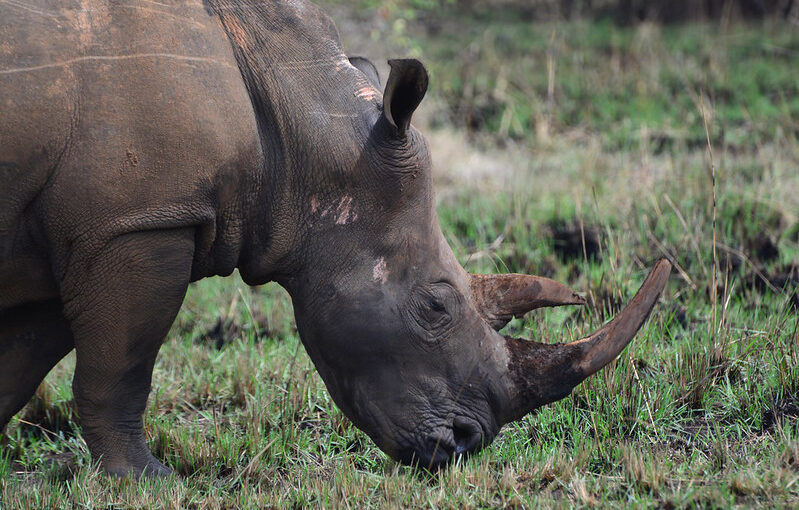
(695,412)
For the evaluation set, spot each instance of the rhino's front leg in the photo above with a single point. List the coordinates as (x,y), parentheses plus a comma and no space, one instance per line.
(121,304)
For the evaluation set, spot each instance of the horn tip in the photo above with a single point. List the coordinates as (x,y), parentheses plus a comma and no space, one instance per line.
(662,270)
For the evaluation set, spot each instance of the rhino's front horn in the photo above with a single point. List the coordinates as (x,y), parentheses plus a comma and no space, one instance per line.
(543,373)
(500,297)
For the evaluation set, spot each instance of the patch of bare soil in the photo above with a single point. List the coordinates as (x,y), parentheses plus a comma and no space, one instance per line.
(692,435)
(680,314)
(519,261)
(574,240)
(226,329)
(784,411)
(755,264)
(780,279)
(764,248)
(61,466)
(221,333)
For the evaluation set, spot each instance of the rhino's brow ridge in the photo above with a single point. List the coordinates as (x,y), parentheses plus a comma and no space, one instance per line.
(90,58)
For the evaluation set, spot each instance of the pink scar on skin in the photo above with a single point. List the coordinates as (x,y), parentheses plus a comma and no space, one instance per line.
(236,32)
(343,210)
(366,92)
(380,271)
(314,204)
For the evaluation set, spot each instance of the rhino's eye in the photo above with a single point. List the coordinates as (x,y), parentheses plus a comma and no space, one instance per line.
(430,310)
(436,305)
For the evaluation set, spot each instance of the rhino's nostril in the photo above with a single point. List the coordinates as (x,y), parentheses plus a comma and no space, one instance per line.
(461,437)
(466,434)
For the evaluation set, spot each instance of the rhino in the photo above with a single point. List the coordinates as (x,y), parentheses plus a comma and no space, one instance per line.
(146,145)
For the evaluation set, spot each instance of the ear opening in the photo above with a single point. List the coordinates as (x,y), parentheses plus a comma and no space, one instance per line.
(405,89)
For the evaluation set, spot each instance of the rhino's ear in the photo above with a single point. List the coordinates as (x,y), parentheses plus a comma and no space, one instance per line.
(407,84)
(366,66)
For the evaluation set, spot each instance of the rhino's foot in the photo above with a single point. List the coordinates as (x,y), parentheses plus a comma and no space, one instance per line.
(156,469)
(121,449)
(152,469)
(139,465)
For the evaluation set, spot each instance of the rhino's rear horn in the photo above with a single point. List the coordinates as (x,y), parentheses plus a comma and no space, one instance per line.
(405,89)
(501,297)
(544,373)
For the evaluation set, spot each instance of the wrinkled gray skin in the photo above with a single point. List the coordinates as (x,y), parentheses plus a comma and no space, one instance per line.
(146,145)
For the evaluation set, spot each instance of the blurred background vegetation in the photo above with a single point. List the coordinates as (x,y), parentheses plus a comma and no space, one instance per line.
(625,68)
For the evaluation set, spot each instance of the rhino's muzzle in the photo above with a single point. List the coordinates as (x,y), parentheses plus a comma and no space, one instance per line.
(464,437)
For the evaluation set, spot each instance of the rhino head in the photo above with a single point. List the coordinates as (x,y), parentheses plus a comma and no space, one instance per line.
(404,338)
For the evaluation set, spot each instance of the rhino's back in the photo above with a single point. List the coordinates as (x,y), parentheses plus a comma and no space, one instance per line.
(110,110)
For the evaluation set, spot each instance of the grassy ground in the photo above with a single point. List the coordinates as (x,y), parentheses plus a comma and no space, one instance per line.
(573,150)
